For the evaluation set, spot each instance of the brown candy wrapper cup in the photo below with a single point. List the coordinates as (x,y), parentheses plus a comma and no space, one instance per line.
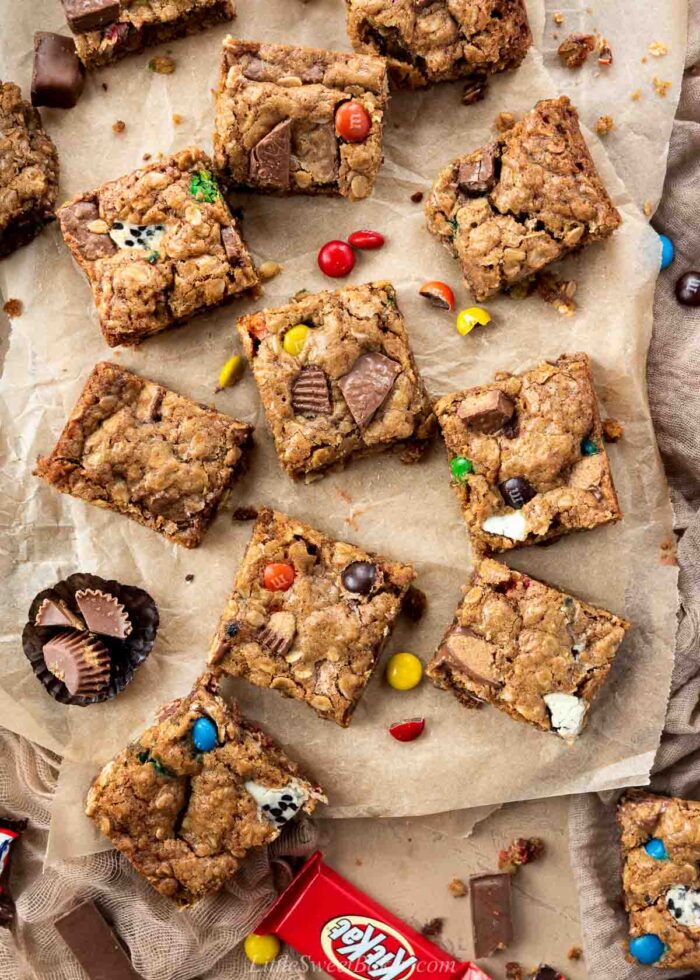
(126,655)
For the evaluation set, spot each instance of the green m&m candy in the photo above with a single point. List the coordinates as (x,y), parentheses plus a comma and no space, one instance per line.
(461,467)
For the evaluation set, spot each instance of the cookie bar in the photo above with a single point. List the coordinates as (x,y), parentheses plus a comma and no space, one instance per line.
(527,455)
(337,377)
(308,616)
(525,200)
(200,788)
(158,246)
(426,41)
(106,30)
(528,649)
(132,446)
(28,171)
(299,120)
(660,839)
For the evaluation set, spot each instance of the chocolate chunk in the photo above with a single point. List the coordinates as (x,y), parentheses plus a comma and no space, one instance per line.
(516,491)
(475,89)
(58,77)
(688,289)
(90,15)
(314,74)
(367,385)
(11,829)
(471,654)
(74,222)
(103,613)
(492,916)
(54,612)
(478,176)
(278,635)
(269,158)
(316,150)
(95,946)
(311,392)
(359,577)
(486,411)
(80,661)
(255,69)
(232,244)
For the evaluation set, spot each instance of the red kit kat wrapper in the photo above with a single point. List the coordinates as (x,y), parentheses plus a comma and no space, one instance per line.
(347,934)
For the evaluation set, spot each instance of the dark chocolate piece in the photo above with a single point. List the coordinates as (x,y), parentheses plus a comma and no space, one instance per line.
(475,89)
(479,176)
(54,612)
(58,77)
(367,385)
(517,491)
(269,158)
(75,221)
(471,654)
(90,15)
(486,411)
(80,661)
(492,917)
(688,289)
(310,391)
(11,829)
(231,243)
(95,945)
(103,613)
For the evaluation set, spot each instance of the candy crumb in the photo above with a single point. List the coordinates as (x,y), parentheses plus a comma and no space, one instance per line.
(612,430)
(457,888)
(13,308)
(657,49)
(119,126)
(417,197)
(575,953)
(522,850)
(661,87)
(268,270)
(433,927)
(667,552)
(514,971)
(177,119)
(162,65)
(604,125)
(504,121)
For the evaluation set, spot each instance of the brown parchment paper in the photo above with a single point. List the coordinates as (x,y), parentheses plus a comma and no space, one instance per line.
(465,759)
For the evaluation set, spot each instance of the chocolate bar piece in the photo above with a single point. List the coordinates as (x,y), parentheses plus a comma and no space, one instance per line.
(58,78)
(90,15)
(11,830)
(94,944)
(492,917)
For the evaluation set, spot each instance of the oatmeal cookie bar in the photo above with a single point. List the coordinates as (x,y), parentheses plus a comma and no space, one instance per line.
(299,120)
(428,41)
(28,171)
(135,447)
(308,616)
(660,839)
(528,649)
(200,788)
(158,246)
(530,197)
(106,30)
(527,455)
(337,377)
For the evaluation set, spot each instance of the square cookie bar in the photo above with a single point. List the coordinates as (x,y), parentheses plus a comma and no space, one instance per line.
(132,446)
(299,120)
(527,455)
(528,649)
(200,788)
(106,30)
(660,839)
(523,201)
(158,246)
(28,171)
(308,616)
(337,377)
(428,41)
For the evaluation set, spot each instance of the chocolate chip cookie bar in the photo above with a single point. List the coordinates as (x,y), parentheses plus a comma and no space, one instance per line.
(337,377)
(28,171)
(158,246)
(308,616)
(200,788)
(299,120)
(660,839)
(132,446)
(533,652)
(527,455)
(426,41)
(527,199)
(106,30)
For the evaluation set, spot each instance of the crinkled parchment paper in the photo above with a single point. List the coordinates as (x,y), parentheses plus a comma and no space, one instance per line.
(465,759)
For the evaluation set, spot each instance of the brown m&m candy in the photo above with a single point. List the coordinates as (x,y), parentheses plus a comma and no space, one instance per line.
(688,289)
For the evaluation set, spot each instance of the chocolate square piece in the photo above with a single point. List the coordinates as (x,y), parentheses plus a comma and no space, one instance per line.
(158,247)
(95,946)
(308,616)
(492,916)
(276,119)
(135,447)
(660,839)
(195,793)
(528,649)
(352,387)
(90,15)
(28,171)
(508,210)
(528,456)
(426,41)
(58,78)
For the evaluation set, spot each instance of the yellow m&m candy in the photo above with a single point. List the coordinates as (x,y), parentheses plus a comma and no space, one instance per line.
(468,319)
(261,949)
(295,338)
(404,671)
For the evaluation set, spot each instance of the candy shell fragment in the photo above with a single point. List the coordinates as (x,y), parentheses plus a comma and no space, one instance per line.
(468,319)
(231,372)
(438,293)
(407,731)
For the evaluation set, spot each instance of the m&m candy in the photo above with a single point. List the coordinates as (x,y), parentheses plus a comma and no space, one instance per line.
(404,671)
(656,849)
(295,338)
(668,251)
(261,949)
(647,949)
(468,319)
(461,467)
(205,735)
(278,576)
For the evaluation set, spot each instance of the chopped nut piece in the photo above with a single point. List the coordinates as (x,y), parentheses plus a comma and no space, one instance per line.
(575,953)
(433,927)
(162,65)
(661,87)
(503,122)
(268,270)
(119,126)
(612,430)
(604,125)
(657,49)
(457,888)
(13,308)
(523,850)
(575,48)
(558,17)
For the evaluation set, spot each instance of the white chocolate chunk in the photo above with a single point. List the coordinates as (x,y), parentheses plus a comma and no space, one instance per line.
(137,236)
(684,905)
(513,526)
(277,804)
(568,713)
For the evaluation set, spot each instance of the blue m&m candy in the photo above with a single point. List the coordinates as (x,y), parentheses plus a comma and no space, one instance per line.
(205,735)
(647,949)
(668,251)
(656,849)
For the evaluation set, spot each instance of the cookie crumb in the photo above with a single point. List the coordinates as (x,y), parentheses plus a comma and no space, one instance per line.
(575,953)
(119,126)
(612,430)
(657,49)
(648,209)
(558,17)
(636,95)
(146,157)
(177,119)
(559,293)
(104,86)
(604,125)
(667,552)
(457,888)
(162,65)
(14,308)
(661,87)
(504,121)
(514,971)
(522,850)
(605,55)
(189,578)
(433,927)
(417,197)
(245,514)
(268,270)
(575,48)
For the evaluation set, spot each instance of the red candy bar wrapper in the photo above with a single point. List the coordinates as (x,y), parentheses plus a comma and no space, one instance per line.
(10,831)
(347,934)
